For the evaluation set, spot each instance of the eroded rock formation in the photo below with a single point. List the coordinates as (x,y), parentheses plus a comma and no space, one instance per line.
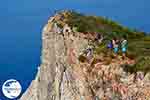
(62,76)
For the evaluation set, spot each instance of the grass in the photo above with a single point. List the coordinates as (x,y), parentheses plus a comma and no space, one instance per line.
(138,42)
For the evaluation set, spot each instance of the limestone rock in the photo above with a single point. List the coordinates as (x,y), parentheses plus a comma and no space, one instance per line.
(62,76)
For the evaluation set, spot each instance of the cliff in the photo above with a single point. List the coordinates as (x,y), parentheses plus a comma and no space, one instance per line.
(66,75)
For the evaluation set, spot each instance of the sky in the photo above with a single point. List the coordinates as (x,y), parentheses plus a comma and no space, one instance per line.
(132,13)
(21,23)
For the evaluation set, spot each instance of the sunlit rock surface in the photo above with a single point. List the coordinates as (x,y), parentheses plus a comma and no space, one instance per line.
(62,76)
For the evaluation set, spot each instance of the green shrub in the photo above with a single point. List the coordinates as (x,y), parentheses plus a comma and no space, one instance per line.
(138,42)
(143,64)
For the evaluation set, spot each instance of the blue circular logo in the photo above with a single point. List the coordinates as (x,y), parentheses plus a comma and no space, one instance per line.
(11,88)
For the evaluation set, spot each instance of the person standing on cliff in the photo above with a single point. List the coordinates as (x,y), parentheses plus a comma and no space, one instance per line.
(115,43)
(124,43)
(89,53)
(98,38)
(110,45)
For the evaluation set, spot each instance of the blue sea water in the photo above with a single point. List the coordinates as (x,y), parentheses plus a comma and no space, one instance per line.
(21,23)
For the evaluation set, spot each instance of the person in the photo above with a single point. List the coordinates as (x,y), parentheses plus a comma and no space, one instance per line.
(110,45)
(115,43)
(124,46)
(98,36)
(89,53)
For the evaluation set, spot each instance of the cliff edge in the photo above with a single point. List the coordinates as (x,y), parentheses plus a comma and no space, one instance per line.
(67,74)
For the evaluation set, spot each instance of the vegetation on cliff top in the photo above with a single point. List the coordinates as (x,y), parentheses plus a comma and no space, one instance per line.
(138,42)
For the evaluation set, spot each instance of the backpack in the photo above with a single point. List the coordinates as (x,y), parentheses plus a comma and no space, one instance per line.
(124,43)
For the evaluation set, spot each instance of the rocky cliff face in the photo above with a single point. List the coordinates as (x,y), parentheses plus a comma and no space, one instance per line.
(62,76)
